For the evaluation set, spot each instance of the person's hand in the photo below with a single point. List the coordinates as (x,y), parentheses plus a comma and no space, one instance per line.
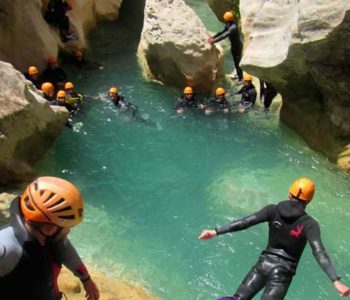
(180,110)
(207,234)
(210,40)
(200,106)
(92,292)
(208,111)
(342,289)
(225,110)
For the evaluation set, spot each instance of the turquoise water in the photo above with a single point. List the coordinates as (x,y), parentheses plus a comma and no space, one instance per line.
(151,190)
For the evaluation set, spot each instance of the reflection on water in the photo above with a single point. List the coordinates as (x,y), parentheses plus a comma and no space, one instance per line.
(150,192)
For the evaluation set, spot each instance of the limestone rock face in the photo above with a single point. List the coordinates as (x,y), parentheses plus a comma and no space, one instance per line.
(302,48)
(174,49)
(219,7)
(28,124)
(26,38)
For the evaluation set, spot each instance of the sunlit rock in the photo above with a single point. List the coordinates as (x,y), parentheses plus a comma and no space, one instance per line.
(27,39)
(302,48)
(28,124)
(173,48)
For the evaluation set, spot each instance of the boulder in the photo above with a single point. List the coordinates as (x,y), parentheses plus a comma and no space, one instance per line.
(5,201)
(302,48)
(173,48)
(28,124)
(23,29)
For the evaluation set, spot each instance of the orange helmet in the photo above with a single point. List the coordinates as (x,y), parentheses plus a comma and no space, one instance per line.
(47,88)
(188,90)
(68,85)
(33,70)
(219,91)
(61,94)
(52,200)
(247,77)
(78,53)
(52,60)
(303,189)
(228,16)
(113,89)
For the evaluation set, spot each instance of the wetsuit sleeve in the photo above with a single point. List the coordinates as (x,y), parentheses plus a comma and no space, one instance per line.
(314,238)
(261,216)
(178,103)
(73,262)
(225,33)
(219,33)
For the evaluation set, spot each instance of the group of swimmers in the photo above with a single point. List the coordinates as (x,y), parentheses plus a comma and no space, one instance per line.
(218,103)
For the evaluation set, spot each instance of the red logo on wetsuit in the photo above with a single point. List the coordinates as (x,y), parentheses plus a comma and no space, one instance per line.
(296,233)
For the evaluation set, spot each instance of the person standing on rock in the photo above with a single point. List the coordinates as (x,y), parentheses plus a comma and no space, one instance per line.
(34,245)
(231,30)
(290,228)
(267,93)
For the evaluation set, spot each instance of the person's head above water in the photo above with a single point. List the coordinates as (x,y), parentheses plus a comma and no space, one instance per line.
(247,78)
(68,87)
(33,72)
(302,189)
(48,89)
(188,92)
(113,92)
(228,16)
(220,93)
(52,200)
(61,95)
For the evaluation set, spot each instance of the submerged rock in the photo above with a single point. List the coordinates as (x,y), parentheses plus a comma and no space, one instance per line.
(302,48)
(28,125)
(173,48)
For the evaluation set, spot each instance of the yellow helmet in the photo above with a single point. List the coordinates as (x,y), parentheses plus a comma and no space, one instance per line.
(68,85)
(61,94)
(247,77)
(114,90)
(47,88)
(228,16)
(303,189)
(188,90)
(219,91)
(33,70)
(52,200)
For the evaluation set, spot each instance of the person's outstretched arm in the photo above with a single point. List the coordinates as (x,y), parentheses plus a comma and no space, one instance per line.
(73,262)
(313,236)
(225,33)
(261,216)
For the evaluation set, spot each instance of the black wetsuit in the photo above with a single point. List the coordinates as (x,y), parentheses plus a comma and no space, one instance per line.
(290,228)
(267,91)
(54,76)
(56,15)
(184,103)
(231,30)
(37,83)
(218,106)
(29,270)
(248,95)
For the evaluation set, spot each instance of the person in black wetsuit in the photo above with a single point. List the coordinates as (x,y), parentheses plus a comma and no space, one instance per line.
(248,92)
(34,245)
(217,104)
(290,228)
(267,93)
(56,15)
(188,100)
(127,107)
(33,75)
(54,74)
(231,30)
